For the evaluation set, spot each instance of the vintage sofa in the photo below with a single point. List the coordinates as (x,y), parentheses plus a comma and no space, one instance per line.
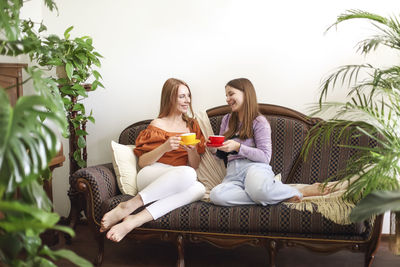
(272,227)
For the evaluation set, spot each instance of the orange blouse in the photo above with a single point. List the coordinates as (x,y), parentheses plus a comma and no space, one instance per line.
(152,137)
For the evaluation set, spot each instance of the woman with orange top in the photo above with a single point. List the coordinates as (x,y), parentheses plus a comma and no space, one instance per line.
(167,178)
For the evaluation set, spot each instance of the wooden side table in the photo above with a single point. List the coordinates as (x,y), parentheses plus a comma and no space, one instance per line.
(56,162)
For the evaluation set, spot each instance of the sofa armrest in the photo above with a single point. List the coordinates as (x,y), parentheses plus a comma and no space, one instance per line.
(97,184)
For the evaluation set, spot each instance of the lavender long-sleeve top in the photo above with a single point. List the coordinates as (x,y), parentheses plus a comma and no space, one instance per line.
(258,148)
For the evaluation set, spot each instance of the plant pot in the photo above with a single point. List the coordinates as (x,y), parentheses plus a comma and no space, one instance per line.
(60,72)
(394,237)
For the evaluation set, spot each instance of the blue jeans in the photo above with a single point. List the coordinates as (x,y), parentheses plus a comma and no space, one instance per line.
(247,182)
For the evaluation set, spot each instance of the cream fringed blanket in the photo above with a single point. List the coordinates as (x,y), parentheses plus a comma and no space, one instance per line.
(212,171)
(332,206)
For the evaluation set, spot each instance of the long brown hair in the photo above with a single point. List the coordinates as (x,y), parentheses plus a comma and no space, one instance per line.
(169,95)
(250,110)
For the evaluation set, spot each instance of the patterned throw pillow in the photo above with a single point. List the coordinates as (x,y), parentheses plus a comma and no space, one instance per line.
(124,162)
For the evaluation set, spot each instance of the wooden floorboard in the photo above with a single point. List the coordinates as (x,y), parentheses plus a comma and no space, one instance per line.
(152,253)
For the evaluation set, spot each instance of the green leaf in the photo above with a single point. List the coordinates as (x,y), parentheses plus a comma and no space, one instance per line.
(42,27)
(32,244)
(65,229)
(69,69)
(67,90)
(96,74)
(82,58)
(11,244)
(66,33)
(6,116)
(97,54)
(79,89)
(81,142)
(77,155)
(66,101)
(54,62)
(89,41)
(81,132)
(95,84)
(51,5)
(24,139)
(91,119)
(34,193)
(40,261)
(39,218)
(82,163)
(66,254)
(376,203)
(78,107)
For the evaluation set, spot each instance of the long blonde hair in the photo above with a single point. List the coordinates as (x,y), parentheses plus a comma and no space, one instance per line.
(250,110)
(169,95)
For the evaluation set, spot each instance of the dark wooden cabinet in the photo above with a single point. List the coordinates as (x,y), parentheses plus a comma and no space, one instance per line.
(11,77)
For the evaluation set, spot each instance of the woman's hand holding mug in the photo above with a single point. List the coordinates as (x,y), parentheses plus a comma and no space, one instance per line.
(172,143)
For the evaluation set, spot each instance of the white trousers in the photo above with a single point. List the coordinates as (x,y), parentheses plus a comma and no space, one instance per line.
(247,182)
(168,187)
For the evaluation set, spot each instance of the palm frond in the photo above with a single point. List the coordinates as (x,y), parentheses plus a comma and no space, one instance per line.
(376,117)
(388,37)
(349,73)
(358,14)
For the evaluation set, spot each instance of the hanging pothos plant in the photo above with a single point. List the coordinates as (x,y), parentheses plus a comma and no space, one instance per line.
(74,60)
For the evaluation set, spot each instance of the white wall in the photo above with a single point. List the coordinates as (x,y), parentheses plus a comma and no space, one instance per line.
(279,45)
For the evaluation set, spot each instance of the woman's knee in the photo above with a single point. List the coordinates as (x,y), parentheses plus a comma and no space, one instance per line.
(198,190)
(258,183)
(187,173)
(183,177)
(217,197)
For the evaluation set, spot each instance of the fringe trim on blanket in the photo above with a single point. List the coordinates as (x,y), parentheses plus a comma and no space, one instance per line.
(333,208)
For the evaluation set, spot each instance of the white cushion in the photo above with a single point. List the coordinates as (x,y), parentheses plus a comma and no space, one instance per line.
(124,162)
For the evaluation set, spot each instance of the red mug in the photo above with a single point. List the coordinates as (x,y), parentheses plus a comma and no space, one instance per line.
(216,139)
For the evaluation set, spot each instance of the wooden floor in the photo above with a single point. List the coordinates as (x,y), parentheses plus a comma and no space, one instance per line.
(151,253)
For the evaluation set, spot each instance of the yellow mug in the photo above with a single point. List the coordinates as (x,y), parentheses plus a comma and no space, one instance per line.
(188,138)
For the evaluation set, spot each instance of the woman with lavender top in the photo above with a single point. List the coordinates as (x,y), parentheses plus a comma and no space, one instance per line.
(247,151)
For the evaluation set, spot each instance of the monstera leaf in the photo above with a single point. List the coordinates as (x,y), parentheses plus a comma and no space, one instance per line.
(26,143)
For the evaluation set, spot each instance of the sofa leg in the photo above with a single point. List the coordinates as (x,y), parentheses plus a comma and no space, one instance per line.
(181,257)
(100,253)
(368,260)
(272,248)
(73,216)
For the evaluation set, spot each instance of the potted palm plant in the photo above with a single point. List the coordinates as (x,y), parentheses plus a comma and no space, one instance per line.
(372,108)
(26,147)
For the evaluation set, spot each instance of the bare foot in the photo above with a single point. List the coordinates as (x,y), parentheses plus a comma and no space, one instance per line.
(315,189)
(117,214)
(119,231)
